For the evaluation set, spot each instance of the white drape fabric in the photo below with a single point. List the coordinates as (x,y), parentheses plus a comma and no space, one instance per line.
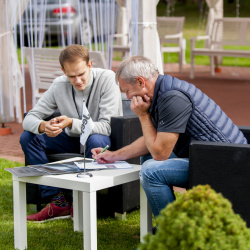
(10,74)
(212,3)
(87,124)
(158,48)
(215,11)
(121,3)
(135,29)
(87,22)
(148,37)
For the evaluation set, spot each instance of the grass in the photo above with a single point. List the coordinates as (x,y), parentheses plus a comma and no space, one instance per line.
(194,26)
(112,233)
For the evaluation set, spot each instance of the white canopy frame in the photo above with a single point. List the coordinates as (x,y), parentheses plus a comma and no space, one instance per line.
(11,79)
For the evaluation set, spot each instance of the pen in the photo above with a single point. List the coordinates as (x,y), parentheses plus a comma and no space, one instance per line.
(103,150)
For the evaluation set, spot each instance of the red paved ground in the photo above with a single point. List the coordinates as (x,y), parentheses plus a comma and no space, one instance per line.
(230,89)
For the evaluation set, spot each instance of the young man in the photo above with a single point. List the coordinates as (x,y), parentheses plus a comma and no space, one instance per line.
(62,134)
(172,113)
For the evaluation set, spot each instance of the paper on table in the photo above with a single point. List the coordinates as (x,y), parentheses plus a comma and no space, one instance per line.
(95,165)
(25,171)
(60,167)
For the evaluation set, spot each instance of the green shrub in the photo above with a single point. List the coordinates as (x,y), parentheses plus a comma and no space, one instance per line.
(199,219)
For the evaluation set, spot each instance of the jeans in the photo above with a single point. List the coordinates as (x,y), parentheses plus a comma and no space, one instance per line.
(36,148)
(158,178)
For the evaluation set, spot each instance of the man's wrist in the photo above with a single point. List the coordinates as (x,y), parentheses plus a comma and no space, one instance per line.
(41,128)
(70,122)
(145,116)
(118,155)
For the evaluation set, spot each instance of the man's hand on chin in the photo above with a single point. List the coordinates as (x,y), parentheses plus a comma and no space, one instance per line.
(140,105)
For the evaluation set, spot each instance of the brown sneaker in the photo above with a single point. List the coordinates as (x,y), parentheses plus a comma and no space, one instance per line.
(51,212)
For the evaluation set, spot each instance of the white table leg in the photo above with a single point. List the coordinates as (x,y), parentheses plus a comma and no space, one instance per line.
(20,220)
(145,215)
(78,210)
(89,221)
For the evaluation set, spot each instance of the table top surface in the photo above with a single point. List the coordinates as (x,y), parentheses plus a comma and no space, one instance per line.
(101,179)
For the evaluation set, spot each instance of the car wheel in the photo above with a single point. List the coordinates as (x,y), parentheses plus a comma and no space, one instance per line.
(86,33)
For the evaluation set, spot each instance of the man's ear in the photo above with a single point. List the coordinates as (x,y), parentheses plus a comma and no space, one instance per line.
(90,64)
(141,81)
(63,70)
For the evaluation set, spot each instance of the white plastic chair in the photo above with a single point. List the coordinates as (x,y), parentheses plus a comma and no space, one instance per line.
(98,59)
(44,67)
(121,43)
(170,31)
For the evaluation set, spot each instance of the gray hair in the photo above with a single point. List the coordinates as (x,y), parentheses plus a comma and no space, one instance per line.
(132,67)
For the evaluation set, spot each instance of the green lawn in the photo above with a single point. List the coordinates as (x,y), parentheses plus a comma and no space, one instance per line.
(195,24)
(112,233)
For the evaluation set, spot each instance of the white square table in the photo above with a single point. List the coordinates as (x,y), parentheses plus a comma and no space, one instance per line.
(84,199)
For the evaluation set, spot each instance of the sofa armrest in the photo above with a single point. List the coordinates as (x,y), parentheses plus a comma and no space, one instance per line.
(125,130)
(246,131)
(211,161)
(226,168)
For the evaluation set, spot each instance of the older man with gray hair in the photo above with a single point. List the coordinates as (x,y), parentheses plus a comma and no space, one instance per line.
(172,113)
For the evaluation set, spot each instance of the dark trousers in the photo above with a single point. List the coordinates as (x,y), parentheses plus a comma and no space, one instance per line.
(36,148)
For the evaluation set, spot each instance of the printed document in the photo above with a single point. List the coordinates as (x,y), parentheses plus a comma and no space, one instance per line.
(94,165)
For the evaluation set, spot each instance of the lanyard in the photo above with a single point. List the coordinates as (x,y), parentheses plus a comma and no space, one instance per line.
(87,103)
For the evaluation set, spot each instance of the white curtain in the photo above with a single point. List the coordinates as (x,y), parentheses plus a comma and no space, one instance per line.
(213,3)
(123,21)
(215,11)
(159,55)
(121,3)
(144,29)
(10,74)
